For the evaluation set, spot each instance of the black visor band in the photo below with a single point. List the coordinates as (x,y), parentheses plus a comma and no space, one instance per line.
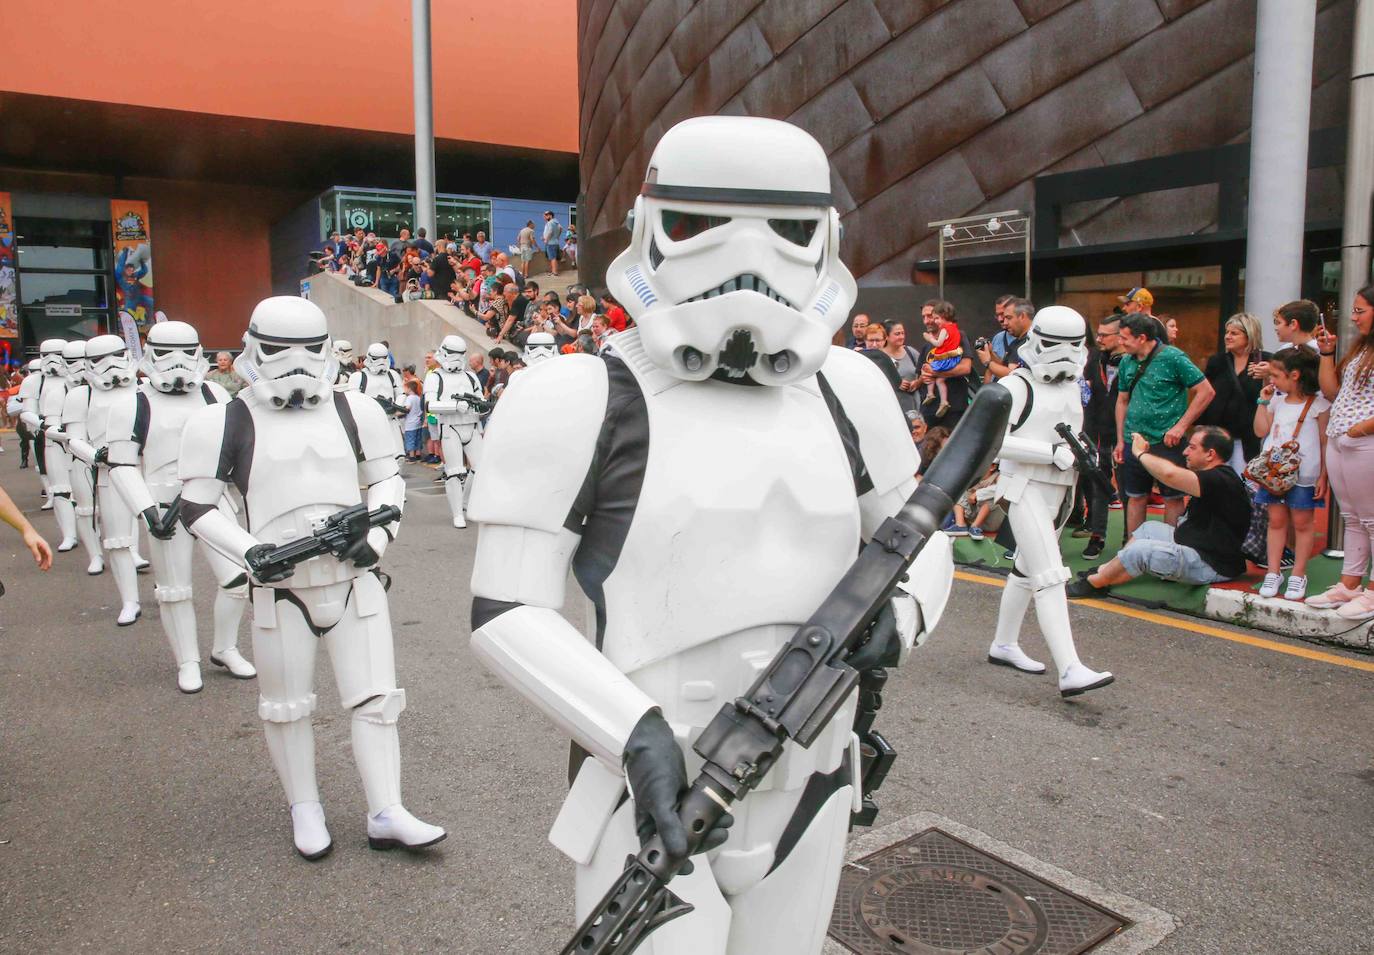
(757,197)
(283,340)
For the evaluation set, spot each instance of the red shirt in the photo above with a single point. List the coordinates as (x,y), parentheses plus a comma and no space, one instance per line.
(616,316)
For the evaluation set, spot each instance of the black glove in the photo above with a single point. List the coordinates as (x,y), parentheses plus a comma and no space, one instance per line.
(360,552)
(883,648)
(658,779)
(259,561)
(156,527)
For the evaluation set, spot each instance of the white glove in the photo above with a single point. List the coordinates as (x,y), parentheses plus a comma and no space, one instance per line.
(1063,457)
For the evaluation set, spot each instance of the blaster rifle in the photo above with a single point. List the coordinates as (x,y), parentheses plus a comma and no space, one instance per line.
(273,562)
(476,402)
(389,406)
(1085,459)
(876,754)
(800,691)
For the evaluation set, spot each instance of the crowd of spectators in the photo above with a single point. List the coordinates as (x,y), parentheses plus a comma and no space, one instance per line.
(1190,441)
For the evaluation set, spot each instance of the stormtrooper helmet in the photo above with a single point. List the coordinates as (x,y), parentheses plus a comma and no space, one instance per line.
(452,353)
(377,360)
(173,358)
(343,351)
(540,346)
(34,366)
(733,267)
(74,357)
(1056,345)
(107,363)
(286,354)
(50,355)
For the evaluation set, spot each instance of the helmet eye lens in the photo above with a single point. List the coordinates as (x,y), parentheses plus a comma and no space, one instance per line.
(271,349)
(796,231)
(316,348)
(680,226)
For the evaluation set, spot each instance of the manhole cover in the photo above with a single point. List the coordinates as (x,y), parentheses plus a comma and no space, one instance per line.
(934,894)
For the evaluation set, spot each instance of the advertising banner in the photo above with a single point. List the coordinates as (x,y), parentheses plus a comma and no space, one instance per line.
(133,247)
(9,284)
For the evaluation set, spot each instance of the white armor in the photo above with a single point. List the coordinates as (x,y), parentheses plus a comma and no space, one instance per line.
(298,452)
(1036,478)
(43,415)
(85,428)
(83,486)
(377,379)
(144,441)
(343,355)
(28,413)
(459,423)
(705,520)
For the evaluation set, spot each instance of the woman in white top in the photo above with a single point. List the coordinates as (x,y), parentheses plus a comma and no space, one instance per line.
(1290,408)
(1350,455)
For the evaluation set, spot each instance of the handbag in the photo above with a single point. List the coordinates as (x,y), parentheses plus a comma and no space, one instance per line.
(1276,468)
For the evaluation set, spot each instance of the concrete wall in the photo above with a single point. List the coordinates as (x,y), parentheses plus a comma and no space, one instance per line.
(364,315)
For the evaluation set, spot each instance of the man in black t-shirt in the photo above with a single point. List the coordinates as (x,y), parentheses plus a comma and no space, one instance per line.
(1205,548)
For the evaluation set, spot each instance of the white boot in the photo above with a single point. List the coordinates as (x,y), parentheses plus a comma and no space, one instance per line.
(292,748)
(65,513)
(395,828)
(126,583)
(1011,614)
(97,565)
(309,831)
(188,677)
(90,540)
(1052,610)
(1013,656)
(453,490)
(233,661)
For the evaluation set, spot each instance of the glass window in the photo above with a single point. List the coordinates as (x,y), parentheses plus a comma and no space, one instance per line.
(453,217)
(382,213)
(44,288)
(59,257)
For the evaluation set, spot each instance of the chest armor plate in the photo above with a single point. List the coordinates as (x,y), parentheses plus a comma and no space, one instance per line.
(378,385)
(167,416)
(303,469)
(98,413)
(51,393)
(1052,403)
(453,383)
(747,518)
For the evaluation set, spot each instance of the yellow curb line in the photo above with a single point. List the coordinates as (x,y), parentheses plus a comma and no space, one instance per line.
(1137,614)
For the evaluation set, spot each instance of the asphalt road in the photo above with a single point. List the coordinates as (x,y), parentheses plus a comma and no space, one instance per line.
(1228,785)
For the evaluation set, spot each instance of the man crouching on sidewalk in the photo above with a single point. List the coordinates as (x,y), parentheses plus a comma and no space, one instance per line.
(1205,547)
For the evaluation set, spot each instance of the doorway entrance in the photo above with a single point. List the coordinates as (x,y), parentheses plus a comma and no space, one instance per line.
(65,274)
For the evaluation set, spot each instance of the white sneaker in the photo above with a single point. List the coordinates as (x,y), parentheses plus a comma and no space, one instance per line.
(459,520)
(1014,657)
(1361,608)
(395,828)
(309,831)
(67,545)
(128,614)
(188,677)
(1334,596)
(1271,585)
(1297,588)
(47,504)
(1079,679)
(233,661)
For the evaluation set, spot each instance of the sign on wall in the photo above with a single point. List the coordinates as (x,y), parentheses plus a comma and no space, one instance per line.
(133,246)
(9,283)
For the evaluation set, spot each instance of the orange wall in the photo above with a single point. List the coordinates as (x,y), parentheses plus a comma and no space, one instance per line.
(342,64)
(211,246)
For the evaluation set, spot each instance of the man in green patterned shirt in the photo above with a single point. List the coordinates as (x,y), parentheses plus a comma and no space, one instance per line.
(1154,401)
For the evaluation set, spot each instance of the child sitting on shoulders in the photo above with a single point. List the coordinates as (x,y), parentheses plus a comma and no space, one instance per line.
(945,354)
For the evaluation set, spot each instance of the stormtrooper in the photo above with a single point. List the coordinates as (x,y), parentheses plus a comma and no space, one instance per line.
(144,439)
(343,357)
(83,487)
(30,395)
(722,440)
(298,452)
(43,413)
(539,346)
(453,395)
(377,379)
(85,431)
(1036,479)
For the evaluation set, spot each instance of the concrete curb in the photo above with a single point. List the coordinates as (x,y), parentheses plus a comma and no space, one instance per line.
(1288,618)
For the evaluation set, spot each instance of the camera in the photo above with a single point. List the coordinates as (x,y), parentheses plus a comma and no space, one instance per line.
(980,343)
